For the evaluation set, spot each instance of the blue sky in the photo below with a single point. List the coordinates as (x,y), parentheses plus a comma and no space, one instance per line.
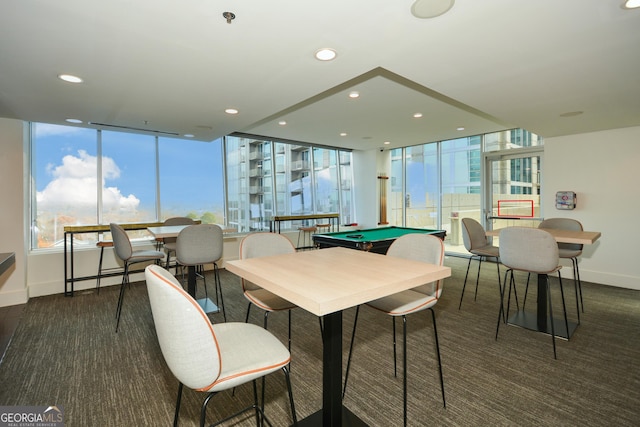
(191,171)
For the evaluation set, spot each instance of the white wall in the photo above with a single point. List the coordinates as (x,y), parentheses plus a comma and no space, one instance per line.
(13,283)
(603,168)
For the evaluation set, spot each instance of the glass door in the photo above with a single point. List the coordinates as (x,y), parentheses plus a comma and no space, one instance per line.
(513,190)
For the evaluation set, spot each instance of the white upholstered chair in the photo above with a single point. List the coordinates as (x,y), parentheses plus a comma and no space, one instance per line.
(532,251)
(475,241)
(124,251)
(206,357)
(569,251)
(419,247)
(258,245)
(198,245)
(169,243)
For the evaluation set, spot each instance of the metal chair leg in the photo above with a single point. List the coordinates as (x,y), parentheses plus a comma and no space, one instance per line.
(553,332)
(176,416)
(464,285)
(99,269)
(125,281)
(289,389)
(404,369)
(435,334)
(475,295)
(395,364)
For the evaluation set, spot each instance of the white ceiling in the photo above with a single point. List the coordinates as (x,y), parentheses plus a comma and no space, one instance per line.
(173,67)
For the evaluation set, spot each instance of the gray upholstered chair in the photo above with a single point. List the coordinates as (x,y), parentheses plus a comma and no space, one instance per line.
(475,241)
(124,251)
(198,245)
(532,251)
(211,358)
(258,245)
(169,243)
(419,247)
(569,250)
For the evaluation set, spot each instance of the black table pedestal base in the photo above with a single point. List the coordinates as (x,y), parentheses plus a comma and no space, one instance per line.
(349,419)
(530,321)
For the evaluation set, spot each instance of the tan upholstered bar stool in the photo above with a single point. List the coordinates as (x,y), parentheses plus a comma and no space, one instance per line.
(305,233)
(102,244)
(323,228)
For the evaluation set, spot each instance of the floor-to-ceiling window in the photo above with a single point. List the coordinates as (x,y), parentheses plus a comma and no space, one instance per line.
(86,176)
(266,178)
(437,184)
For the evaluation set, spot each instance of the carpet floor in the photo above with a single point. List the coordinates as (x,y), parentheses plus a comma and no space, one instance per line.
(65,352)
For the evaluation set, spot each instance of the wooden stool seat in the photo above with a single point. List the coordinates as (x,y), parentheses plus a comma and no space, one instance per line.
(306,232)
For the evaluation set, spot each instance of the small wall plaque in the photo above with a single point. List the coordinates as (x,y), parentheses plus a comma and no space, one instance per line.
(566,200)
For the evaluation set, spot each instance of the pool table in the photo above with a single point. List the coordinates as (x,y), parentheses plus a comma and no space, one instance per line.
(375,240)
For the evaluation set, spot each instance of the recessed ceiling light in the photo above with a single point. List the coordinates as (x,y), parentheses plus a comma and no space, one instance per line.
(231,111)
(325,54)
(343,134)
(424,9)
(417,115)
(73,121)
(632,4)
(387,142)
(70,78)
(354,94)
(460,128)
(188,135)
(282,123)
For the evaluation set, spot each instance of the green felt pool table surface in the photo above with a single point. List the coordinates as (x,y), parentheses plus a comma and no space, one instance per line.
(372,239)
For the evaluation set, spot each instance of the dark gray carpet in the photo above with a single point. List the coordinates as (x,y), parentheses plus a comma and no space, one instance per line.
(65,352)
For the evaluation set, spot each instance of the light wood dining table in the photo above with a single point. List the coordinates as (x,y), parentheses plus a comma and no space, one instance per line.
(540,321)
(325,282)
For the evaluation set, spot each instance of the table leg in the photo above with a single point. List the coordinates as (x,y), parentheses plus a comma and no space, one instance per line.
(191,280)
(333,414)
(542,302)
(332,365)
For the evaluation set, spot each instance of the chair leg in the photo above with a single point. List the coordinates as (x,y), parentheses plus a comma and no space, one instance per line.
(99,269)
(203,409)
(404,369)
(289,330)
(246,320)
(504,319)
(125,281)
(564,306)
(464,285)
(577,274)
(176,416)
(395,364)
(502,314)
(353,337)
(553,332)
(168,259)
(435,334)
(475,295)
(218,285)
(290,390)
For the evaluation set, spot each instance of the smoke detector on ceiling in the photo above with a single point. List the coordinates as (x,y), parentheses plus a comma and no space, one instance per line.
(424,9)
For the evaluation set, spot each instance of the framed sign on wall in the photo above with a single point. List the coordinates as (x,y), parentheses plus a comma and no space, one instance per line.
(566,200)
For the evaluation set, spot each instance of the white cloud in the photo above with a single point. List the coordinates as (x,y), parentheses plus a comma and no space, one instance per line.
(74,183)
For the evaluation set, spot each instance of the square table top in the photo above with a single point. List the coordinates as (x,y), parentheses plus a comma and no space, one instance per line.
(328,280)
(563,236)
(165,231)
